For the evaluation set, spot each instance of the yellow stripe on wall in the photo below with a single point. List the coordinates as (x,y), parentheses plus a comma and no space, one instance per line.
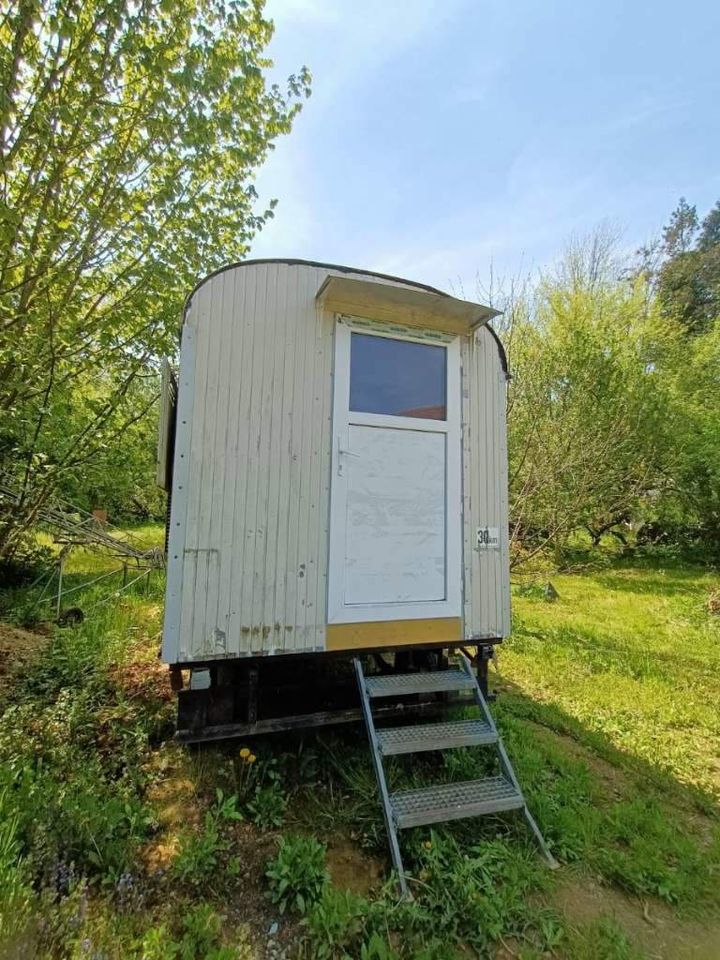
(393,633)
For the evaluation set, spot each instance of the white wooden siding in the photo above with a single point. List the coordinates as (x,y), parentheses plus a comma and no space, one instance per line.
(485,501)
(248,555)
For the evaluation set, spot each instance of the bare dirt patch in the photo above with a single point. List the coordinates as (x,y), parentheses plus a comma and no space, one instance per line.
(141,676)
(351,869)
(652,926)
(18,649)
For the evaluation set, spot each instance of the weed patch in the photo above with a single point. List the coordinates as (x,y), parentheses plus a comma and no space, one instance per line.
(298,875)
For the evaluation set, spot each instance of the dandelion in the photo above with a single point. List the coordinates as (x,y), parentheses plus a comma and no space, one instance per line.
(244,753)
(252,758)
(428,845)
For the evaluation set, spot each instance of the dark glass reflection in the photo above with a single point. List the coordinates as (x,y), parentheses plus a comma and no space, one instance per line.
(397,377)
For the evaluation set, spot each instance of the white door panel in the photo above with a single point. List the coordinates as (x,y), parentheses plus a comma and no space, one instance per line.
(395,514)
(395,518)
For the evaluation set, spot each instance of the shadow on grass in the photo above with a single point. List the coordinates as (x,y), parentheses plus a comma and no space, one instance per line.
(591,747)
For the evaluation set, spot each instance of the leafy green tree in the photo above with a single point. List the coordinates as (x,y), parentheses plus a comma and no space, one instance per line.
(589,437)
(688,278)
(120,476)
(693,498)
(129,135)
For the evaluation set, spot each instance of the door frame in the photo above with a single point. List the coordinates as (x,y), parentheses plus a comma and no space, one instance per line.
(342,419)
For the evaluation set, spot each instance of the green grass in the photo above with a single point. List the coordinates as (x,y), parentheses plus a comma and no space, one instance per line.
(113,839)
(633,656)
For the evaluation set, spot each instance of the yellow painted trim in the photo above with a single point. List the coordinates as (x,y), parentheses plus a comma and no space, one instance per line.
(393,633)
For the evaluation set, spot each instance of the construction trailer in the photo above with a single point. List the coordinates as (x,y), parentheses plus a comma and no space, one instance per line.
(338,492)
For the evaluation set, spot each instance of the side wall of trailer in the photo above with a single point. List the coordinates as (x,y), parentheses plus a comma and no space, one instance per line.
(248,546)
(485,489)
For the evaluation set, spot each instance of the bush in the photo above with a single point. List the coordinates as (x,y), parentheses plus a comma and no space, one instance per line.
(28,562)
(298,874)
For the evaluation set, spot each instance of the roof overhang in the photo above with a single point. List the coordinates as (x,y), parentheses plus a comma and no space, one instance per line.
(396,304)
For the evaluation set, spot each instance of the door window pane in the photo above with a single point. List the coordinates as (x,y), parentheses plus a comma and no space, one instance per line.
(397,377)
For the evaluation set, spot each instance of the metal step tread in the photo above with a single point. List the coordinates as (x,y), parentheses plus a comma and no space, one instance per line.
(454,801)
(404,684)
(435,736)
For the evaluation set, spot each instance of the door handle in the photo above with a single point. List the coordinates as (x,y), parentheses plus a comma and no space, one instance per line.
(342,452)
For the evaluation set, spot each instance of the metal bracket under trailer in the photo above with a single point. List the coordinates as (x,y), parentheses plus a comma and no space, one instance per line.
(444,801)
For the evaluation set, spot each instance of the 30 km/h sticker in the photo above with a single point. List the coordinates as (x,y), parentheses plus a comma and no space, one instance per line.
(488,538)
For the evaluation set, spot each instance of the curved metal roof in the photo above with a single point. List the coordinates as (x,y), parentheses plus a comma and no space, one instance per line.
(342,269)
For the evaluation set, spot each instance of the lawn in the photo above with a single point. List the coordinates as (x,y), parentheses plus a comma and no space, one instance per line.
(115,842)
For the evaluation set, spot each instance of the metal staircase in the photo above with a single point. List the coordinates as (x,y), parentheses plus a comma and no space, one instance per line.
(444,801)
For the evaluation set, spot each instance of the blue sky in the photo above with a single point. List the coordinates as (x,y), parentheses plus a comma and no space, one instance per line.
(443,137)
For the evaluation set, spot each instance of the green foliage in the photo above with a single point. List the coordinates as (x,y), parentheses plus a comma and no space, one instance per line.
(131,134)
(297,875)
(587,408)
(625,660)
(16,895)
(29,562)
(688,277)
(199,939)
(335,923)
(120,475)
(472,892)
(204,851)
(613,410)
(268,805)
(377,948)
(73,762)
(259,787)
(695,499)
(603,939)
(642,851)
(75,813)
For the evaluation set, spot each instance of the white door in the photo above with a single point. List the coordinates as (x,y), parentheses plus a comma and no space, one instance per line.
(395,513)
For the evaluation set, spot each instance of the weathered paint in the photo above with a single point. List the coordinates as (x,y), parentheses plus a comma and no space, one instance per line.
(248,556)
(395,499)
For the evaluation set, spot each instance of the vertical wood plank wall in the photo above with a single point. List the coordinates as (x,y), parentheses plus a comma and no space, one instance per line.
(250,530)
(485,501)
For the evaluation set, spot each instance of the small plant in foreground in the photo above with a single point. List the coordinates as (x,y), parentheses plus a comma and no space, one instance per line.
(259,789)
(335,923)
(298,874)
(200,853)
(199,938)
(267,807)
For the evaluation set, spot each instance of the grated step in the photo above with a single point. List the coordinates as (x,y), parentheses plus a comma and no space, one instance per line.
(454,801)
(405,684)
(435,736)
